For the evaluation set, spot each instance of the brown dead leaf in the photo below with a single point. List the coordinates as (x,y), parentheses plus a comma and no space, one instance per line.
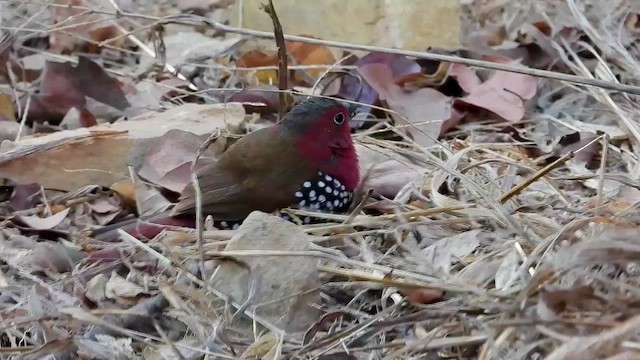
(309,54)
(421,295)
(101,155)
(64,87)
(257,58)
(167,161)
(55,258)
(388,171)
(40,223)
(422,111)
(503,93)
(21,196)
(7,110)
(262,99)
(126,190)
(77,29)
(552,303)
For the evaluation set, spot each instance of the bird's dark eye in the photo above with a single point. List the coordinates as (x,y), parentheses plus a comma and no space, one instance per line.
(339,118)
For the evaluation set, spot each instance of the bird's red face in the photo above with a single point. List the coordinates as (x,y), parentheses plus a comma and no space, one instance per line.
(326,142)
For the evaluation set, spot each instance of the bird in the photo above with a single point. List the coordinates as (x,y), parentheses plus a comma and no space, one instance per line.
(306,161)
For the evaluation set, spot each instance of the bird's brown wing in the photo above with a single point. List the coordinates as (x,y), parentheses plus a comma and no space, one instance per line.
(261,171)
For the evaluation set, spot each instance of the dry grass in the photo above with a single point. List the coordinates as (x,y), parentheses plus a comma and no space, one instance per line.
(553,275)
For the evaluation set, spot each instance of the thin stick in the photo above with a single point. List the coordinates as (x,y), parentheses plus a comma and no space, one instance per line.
(534,177)
(283,71)
(198,195)
(520,69)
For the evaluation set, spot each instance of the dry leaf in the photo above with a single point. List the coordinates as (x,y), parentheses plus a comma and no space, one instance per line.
(80,26)
(40,223)
(388,171)
(309,54)
(353,89)
(64,87)
(440,254)
(118,287)
(7,110)
(257,58)
(422,111)
(55,258)
(507,269)
(503,93)
(167,161)
(102,154)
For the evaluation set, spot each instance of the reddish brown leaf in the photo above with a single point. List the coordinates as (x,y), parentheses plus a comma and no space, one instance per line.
(64,87)
(167,161)
(422,112)
(262,99)
(353,89)
(503,93)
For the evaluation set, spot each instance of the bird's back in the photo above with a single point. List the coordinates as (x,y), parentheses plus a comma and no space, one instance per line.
(261,171)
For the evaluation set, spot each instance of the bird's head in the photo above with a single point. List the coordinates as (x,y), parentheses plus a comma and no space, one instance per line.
(323,137)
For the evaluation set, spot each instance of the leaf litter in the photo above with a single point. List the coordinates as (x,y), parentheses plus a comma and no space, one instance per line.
(441,259)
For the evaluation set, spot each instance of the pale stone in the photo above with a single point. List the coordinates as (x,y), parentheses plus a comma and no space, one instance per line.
(406,24)
(286,287)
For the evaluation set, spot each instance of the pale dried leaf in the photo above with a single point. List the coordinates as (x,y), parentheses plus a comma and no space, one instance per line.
(118,287)
(440,255)
(40,223)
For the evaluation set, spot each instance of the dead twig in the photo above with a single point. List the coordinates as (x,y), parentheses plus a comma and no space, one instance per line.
(283,71)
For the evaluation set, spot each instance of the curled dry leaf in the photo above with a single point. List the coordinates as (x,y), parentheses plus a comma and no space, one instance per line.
(309,54)
(46,223)
(388,171)
(64,87)
(118,287)
(167,161)
(262,99)
(421,112)
(504,93)
(353,89)
(300,53)
(105,208)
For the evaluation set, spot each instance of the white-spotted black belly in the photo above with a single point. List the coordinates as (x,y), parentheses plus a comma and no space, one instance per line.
(322,194)
(325,194)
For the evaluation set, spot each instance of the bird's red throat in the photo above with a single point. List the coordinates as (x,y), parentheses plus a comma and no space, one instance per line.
(333,153)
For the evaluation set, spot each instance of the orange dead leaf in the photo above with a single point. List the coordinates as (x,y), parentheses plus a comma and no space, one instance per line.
(309,54)
(126,190)
(257,58)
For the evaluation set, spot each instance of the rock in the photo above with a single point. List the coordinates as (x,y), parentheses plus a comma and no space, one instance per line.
(407,24)
(277,278)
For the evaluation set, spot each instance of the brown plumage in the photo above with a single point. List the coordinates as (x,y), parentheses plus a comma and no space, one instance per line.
(307,160)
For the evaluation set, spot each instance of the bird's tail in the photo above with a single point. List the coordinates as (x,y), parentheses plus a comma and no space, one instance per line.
(144,227)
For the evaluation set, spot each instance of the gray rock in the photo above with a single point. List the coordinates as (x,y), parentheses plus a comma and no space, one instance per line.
(282,283)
